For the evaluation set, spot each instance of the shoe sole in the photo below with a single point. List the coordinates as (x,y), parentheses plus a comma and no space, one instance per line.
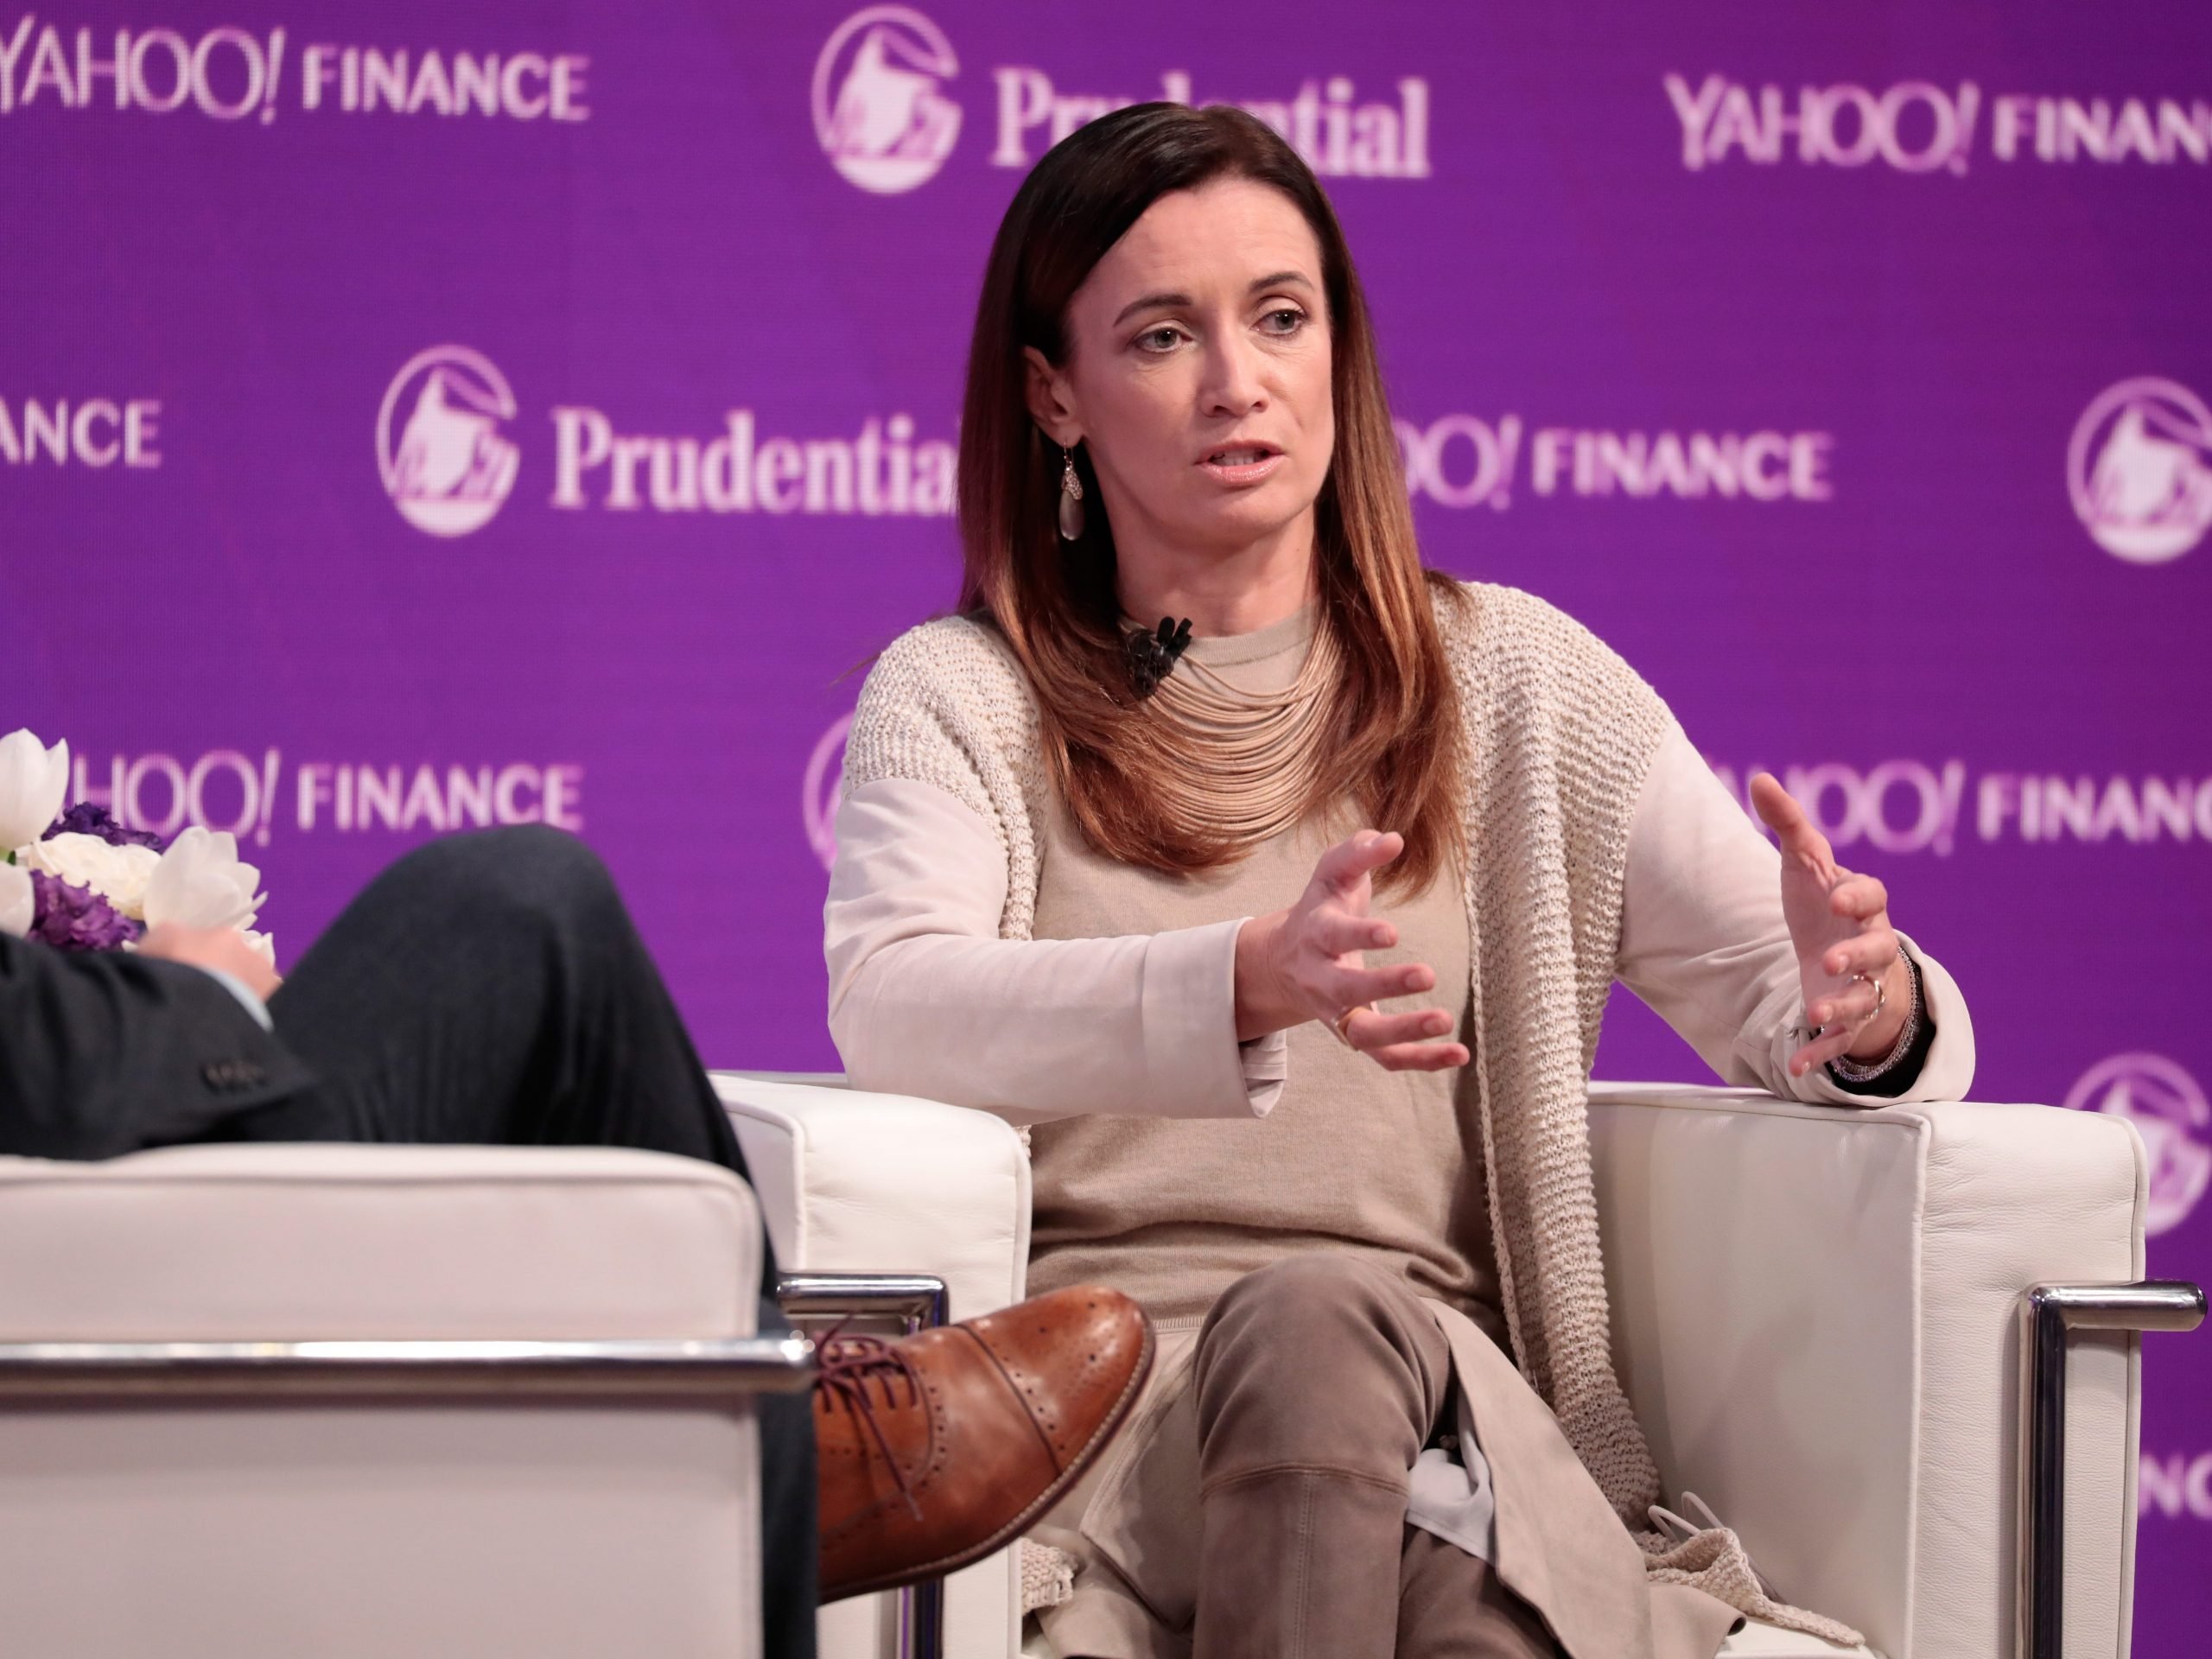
(1077,1467)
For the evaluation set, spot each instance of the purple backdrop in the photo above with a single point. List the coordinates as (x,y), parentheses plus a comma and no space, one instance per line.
(415,416)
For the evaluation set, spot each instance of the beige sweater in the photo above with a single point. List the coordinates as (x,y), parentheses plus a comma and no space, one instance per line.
(1350,1158)
(1562,740)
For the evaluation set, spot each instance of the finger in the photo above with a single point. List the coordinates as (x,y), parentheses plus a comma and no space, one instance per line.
(1352,986)
(1340,933)
(1821,1050)
(1860,897)
(1873,952)
(1419,1057)
(1370,1028)
(1352,861)
(1779,809)
(1851,1007)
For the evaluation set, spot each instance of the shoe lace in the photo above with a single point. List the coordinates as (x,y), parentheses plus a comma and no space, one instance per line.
(847,1366)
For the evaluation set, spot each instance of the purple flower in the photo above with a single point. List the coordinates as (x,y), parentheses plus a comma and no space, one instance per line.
(71,918)
(89,818)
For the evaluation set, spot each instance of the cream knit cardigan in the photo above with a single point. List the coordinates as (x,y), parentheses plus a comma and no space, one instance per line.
(1559,733)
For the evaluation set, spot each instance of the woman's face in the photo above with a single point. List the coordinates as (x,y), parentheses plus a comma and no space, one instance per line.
(1198,372)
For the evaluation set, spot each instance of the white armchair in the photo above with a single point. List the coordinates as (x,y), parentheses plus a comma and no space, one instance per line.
(212,1444)
(1817,1317)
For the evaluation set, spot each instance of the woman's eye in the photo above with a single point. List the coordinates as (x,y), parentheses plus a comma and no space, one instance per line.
(1296,318)
(1157,340)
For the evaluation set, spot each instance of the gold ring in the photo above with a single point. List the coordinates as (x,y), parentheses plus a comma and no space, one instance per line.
(1343,1020)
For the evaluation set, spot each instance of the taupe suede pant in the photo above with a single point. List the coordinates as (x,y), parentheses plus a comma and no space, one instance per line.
(1318,1379)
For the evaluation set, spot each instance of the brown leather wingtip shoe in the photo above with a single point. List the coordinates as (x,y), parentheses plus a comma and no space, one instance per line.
(934,1451)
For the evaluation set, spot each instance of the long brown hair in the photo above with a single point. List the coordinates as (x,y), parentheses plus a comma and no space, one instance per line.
(1396,719)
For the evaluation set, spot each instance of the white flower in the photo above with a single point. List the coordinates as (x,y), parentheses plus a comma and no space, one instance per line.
(200,883)
(33,781)
(118,875)
(18,902)
(264,945)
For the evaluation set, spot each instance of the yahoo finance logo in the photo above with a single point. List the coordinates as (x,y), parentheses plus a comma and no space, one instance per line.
(879,114)
(445,461)
(2170,1112)
(2139,470)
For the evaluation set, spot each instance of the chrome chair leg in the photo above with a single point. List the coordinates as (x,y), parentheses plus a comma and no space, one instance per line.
(917,1302)
(2048,1312)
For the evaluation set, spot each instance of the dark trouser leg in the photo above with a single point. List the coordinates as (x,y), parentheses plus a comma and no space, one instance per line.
(791,1539)
(1318,1380)
(491,989)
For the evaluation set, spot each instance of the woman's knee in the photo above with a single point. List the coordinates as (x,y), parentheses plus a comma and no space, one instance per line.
(1320,1358)
(1308,1299)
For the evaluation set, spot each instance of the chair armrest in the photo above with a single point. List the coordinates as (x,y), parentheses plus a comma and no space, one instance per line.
(296,1242)
(445,1522)
(856,1182)
(1815,1315)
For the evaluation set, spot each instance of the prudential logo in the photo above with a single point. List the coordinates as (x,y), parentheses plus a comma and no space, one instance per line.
(2170,1112)
(819,791)
(877,109)
(444,460)
(2139,470)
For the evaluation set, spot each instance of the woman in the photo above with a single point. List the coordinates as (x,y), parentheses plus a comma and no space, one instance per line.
(1287,923)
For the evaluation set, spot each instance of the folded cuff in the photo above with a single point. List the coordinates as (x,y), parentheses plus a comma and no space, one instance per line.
(1946,1072)
(1194,1066)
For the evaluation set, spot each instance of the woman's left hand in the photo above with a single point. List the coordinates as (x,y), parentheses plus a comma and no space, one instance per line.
(1839,924)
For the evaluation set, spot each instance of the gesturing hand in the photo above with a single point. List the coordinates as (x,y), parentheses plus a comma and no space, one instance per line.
(1308,962)
(1839,924)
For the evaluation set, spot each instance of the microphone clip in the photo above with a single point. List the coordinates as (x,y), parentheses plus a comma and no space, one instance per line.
(1151,657)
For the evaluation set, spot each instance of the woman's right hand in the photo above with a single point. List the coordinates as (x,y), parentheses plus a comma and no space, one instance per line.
(1306,963)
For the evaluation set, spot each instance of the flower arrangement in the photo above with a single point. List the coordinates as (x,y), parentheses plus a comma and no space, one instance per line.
(79,881)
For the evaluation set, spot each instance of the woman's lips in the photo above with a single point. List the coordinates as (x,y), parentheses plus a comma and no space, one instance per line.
(1251,471)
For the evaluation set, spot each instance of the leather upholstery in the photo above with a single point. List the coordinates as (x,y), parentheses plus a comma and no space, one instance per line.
(1815,1315)
(201,1531)
(1815,1309)
(851,1181)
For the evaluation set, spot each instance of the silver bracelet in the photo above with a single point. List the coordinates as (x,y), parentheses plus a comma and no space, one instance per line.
(1853,1072)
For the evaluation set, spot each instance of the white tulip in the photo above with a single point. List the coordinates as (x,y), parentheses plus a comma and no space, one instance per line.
(200,883)
(33,781)
(118,875)
(18,901)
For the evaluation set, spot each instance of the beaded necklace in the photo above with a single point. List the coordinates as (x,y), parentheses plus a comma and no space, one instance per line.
(1252,755)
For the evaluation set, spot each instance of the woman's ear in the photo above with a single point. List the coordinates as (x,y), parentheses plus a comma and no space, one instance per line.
(1049,399)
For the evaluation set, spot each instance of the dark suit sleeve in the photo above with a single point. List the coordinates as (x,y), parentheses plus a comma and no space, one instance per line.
(104,1053)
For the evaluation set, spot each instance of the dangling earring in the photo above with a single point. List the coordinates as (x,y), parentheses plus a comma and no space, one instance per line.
(1070,499)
